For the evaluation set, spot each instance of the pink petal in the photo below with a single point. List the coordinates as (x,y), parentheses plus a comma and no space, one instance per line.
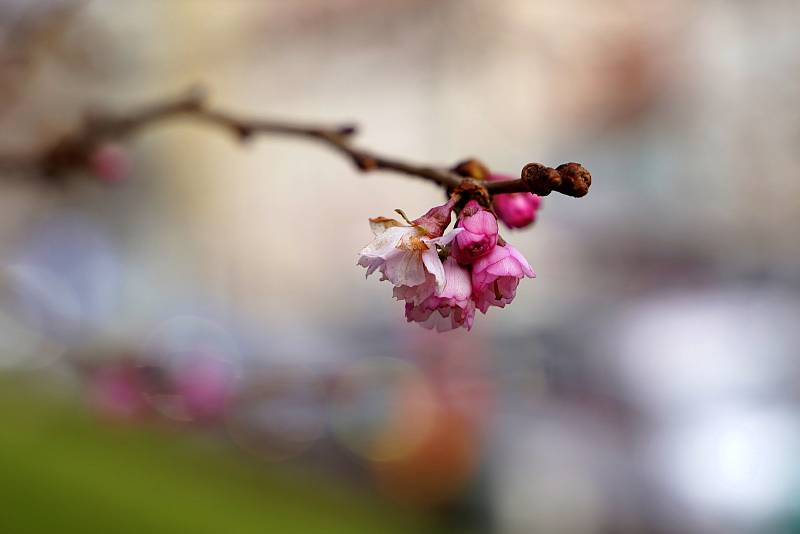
(526,267)
(482,222)
(458,282)
(505,267)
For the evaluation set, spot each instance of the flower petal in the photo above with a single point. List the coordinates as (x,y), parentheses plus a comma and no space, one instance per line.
(380,224)
(446,238)
(483,222)
(434,266)
(385,243)
(505,267)
(416,294)
(405,268)
(526,267)
(458,282)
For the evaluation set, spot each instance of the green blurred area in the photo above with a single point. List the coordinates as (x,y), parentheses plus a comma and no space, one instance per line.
(62,471)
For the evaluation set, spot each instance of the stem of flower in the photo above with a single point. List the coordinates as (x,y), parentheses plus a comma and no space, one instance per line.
(404,216)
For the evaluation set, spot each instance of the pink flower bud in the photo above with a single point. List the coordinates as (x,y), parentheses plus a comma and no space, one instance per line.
(479,235)
(436,220)
(110,163)
(495,277)
(516,210)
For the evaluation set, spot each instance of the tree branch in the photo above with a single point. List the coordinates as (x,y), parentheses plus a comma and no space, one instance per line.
(73,151)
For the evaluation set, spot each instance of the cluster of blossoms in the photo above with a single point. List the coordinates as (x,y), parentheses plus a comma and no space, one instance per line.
(444,276)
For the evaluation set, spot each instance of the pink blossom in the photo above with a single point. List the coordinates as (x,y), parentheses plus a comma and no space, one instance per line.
(516,210)
(205,386)
(116,392)
(495,277)
(479,236)
(448,308)
(416,294)
(405,255)
(110,162)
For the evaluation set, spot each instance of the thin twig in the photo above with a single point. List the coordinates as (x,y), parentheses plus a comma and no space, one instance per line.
(73,151)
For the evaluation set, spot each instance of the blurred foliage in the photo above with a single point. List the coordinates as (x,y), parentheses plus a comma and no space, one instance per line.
(61,471)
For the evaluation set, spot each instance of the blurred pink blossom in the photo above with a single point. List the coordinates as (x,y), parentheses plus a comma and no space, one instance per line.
(110,162)
(205,387)
(115,392)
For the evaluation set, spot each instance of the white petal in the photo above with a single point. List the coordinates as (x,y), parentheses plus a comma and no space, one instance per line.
(439,322)
(370,263)
(380,224)
(385,243)
(434,266)
(405,268)
(445,239)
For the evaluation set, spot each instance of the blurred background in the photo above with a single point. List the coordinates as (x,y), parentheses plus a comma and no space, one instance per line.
(193,349)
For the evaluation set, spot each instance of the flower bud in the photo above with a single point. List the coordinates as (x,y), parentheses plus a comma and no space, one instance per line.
(479,235)
(516,210)
(436,220)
